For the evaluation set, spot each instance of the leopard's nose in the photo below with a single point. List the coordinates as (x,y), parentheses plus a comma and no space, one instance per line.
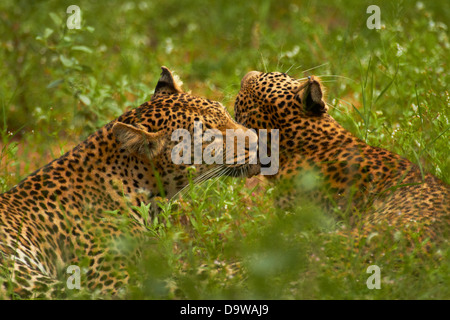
(248,76)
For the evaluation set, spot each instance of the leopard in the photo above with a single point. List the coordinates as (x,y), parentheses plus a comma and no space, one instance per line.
(322,162)
(78,208)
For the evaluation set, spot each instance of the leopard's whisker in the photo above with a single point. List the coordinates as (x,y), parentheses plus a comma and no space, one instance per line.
(320,65)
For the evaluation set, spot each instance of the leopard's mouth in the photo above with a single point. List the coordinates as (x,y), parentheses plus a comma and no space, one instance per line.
(245,170)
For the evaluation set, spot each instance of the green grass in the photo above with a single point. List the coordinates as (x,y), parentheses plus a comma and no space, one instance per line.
(388,86)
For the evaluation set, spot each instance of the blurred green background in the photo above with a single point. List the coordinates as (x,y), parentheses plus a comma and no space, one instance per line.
(388,86)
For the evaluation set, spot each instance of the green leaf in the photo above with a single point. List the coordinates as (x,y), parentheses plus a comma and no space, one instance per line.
(82,48)
(48,32)
(55,83)
(56,19)
(84,99)
(66,61)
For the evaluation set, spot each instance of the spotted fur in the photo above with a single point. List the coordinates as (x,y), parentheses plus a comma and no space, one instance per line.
(76,209)
(321,160)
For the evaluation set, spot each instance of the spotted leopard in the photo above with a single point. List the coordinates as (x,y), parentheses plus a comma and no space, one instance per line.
(321,160)
(71,211)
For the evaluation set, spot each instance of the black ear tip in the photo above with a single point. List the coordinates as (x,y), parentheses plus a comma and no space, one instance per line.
(164,70)
(167,83)
(313,97)
(166,75)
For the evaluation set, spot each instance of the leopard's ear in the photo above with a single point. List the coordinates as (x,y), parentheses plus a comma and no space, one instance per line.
(168,83)
(137,140)
(311,96)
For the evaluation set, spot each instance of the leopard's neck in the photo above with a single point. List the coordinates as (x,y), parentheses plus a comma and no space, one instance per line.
(344,163)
